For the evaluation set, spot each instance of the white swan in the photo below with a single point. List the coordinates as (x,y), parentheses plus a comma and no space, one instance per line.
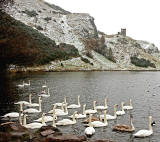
(89,131)
(21,85)
(45,85)
(88,111)
(25,102)
(60,104)
(75,105)
(128,107)
(14,114)
(83,115)
(32,110)
(103,107)
(34,104)
(27,84)
(67,121)
(122,112)
(57,110)
(53,120)
(45,95)
(110,117)
(99,123)
(62,113)
(145,133)
(34,125)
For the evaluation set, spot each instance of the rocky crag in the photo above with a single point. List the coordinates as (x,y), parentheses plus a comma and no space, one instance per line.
(97,50)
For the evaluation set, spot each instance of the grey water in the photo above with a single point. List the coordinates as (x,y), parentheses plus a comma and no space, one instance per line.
(142,87)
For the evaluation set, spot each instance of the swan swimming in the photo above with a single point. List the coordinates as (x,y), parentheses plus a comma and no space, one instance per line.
(88,111)
(103,107)
(25,102)
(34,104)
(145,133)
(75,105)
(122,112)
(45,95)
(27,84)
(130,107)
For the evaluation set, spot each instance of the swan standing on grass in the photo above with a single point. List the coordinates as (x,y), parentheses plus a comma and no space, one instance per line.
(75,105)
(27,84)
(89,131)
(125,128)
(88,111)
(83,115)
(122,112)
(34,104)
(25,102)
(21,85)
(130,107)
(67,121)
(32,110)
(145,133)
(34,125)
(99,123)
(14,114)
(45,95)
(110,117)
(103,107)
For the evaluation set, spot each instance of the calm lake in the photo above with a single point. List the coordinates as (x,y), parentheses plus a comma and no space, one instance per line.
(142,87)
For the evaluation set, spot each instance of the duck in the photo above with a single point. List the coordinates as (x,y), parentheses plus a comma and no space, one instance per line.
(21,85)
(15,114)
(73,106)
(34,125)
(122,112)
(45,85)
(125,128)
(67,121)
(89,131)
(34,104)
(110,117)
(25,102)
(78,115)
(145,133)
(130,107)
(27,84)
(60,104)
(92,110)
(45,95)
(103,107)
(32,110)
(99,123)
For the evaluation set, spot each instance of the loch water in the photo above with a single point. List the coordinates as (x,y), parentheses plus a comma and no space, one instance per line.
(142,87)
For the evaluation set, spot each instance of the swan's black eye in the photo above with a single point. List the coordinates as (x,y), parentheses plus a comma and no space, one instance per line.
(153,123)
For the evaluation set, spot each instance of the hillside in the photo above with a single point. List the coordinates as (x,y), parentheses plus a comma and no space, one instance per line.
(97,50)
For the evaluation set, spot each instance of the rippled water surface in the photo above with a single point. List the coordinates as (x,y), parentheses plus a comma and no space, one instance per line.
(142,87)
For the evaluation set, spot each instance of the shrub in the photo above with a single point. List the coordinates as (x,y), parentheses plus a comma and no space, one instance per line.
(142,62)
(47,19)
(39,28)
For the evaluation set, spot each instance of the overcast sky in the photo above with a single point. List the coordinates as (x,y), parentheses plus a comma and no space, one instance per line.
(141,18)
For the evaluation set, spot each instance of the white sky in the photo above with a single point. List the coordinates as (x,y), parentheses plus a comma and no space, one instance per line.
(141,18)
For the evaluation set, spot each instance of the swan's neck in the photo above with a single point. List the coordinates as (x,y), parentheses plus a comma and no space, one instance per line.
(122,107)
(30,99)
(105,118)
(20,119)
(24,121)
(131,103)
(90,124)
(43,119)
(66,110)
(79,101)
(84,108)
(115,109)
(131,123)
(105,103)
(94,105)
(21,107)
(65,100)
(53,122)
(48,92)
(150,121)
(74,117)
(62,107)
(40,108)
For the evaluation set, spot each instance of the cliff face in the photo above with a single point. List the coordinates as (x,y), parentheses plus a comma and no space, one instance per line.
(98,51)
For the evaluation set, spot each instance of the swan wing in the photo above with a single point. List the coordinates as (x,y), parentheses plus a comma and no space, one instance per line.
(74,106)
(101,107)
(89,131)
(31,110)
(143,133)
(127,107)
(12,114)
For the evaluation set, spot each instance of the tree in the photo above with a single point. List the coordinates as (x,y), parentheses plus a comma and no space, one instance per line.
(4,3)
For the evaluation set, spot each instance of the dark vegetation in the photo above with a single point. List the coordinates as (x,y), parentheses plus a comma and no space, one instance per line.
(47,19)
(30,13)
(99,46)
(86,60)
(142,62)
(22,45)
(4,3)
